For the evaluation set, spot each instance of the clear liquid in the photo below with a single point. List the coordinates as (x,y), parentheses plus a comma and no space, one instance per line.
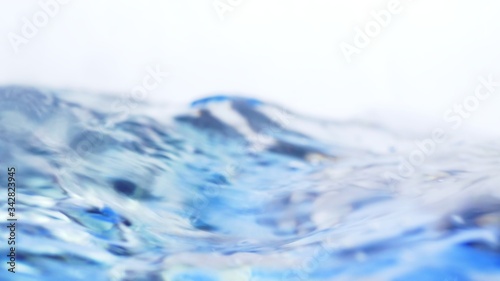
(235,189)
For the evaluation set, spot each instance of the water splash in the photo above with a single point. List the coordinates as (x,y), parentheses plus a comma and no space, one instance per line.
(238,189)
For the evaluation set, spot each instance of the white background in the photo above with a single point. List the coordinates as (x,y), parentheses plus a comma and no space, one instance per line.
(429,57)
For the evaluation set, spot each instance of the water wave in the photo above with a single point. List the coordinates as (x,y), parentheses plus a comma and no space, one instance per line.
(234,189)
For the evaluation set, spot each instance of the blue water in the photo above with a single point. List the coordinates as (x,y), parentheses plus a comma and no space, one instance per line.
(235,189)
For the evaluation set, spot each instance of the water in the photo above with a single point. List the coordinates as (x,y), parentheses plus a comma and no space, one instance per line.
(237,189)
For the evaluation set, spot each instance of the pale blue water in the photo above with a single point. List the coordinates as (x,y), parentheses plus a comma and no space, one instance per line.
(237,189)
